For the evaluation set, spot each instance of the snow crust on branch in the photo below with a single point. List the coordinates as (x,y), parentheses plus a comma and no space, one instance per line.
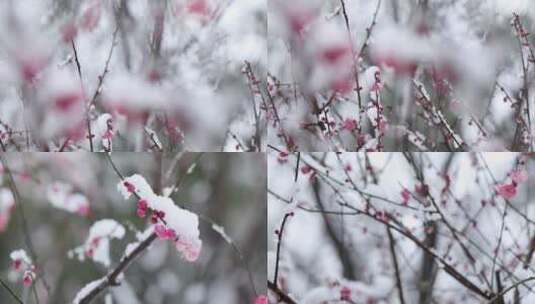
(171,221)
(87,289)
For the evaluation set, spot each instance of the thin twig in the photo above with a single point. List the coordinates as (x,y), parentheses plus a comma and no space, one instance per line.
(279,243)
(501,294)
(13,294)
(297,166)
(396,266)
(106,69)
(88,121)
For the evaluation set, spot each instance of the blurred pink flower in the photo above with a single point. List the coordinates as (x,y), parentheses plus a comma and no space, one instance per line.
(345,294)
(83,210)
(519,176)
(405,195)
(66,101)
(507,191)
(199,7)
(349,124)
(91,15)
(68,31)
(27,279)
(335,53)
(261,299)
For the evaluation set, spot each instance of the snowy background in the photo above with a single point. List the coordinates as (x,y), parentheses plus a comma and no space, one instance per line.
(137,75)
(229,189)
(336,246)
(433,75)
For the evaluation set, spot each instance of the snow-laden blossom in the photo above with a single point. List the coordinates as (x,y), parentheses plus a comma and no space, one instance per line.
(22,264)
(61,196)
(171,221)
(20,259)
(97,244)
(7,203)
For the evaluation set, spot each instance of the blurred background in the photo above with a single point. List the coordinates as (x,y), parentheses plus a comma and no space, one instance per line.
(228,188)
(161,74)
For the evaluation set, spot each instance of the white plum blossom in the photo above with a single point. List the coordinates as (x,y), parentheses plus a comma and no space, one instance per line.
(97,244)
(20,255)
(61,196)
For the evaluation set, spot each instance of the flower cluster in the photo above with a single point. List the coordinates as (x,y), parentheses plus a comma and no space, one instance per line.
(21,263)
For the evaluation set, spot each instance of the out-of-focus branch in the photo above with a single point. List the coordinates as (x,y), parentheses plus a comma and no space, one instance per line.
(25,226)
(11,292)
(111,278)
(396,266)
(499,298)
(341,250)
(428,275)
(501,294)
